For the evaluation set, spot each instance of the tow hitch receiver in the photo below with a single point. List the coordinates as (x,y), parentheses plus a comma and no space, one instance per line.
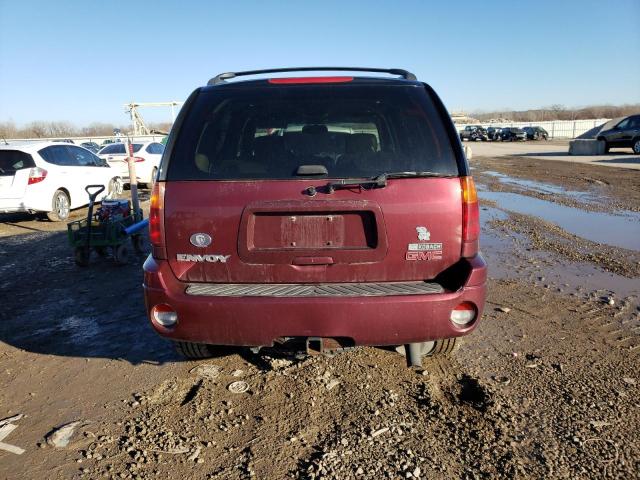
(321,345)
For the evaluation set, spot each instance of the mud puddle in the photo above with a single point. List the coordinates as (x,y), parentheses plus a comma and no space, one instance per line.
(511,256)
(542,187)
(619,230)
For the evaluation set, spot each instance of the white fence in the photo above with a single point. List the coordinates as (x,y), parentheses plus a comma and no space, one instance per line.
(556,128)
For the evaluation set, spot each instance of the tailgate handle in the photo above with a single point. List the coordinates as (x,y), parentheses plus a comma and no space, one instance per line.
(312,261)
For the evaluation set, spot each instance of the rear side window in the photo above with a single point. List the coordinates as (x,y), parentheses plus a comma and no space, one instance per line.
(57,155)
(354,131)
(13,160)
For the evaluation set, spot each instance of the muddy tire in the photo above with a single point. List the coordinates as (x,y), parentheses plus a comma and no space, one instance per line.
(192,350)
(60,207)
(444,346)
(121,254)
(81,256)
(139,243)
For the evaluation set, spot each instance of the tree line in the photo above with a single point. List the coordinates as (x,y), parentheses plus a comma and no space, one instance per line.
(59,129)
(560,112)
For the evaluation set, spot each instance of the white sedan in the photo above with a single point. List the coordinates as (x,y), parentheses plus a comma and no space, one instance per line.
(50,178)
(147,157)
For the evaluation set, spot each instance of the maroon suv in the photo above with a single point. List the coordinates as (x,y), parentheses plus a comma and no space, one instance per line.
(337,210)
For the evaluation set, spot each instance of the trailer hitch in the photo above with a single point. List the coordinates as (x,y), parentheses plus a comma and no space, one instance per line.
(328,346)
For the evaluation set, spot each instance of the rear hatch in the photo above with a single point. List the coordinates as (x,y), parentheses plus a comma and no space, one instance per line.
(14,173)
(288,181)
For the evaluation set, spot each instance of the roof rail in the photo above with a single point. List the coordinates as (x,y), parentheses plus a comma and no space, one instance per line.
(393,71)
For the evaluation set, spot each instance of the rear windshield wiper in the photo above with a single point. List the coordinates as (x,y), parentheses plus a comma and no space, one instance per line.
(349,183)
(381,180)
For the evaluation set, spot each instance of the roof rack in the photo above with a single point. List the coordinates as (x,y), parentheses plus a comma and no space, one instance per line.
(393,71)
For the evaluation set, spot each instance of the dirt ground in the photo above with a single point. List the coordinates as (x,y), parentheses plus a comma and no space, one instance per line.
(546,387)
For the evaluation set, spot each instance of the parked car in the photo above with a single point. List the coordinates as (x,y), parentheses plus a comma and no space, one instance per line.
(473,133)
(536,133)
(510,134)
(147,158)
(49,178)
(622,133)
(64,140)
(335,210)
(91,146)
(493,133)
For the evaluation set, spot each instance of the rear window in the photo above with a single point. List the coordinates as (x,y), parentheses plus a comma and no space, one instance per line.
(354,131)
(13,160)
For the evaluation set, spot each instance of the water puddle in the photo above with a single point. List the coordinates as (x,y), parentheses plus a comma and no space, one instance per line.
(541,187)
(509,257)
(619,230)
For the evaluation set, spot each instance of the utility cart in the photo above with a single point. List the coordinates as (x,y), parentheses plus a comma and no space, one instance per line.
(104,231)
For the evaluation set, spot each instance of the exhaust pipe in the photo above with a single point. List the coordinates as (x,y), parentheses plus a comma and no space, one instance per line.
(414,354)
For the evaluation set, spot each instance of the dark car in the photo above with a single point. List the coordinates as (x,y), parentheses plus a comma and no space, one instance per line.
(473,133)
(536,133)
(330,211)
(91,146)
(493,133)
(510,134)
(622,133)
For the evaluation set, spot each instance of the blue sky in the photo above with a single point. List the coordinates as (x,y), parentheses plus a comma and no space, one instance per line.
(81,60)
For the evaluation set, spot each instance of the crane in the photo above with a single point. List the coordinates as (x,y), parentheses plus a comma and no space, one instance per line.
(139,127)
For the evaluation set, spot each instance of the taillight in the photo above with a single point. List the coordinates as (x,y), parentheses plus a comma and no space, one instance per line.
(156,221)
(470,218)
(36,175)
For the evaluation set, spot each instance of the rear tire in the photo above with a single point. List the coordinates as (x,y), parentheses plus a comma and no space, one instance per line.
(636,146)
(121,254)
(60,207)
(139,243)
(606,145)
(444,346)
(192,350)
(115,187)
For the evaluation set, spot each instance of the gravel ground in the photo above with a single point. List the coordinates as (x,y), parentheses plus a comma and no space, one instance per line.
(546,387)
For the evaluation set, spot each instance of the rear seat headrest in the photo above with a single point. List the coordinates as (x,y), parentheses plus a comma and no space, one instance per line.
(268,145)
(361,143)
(315,129)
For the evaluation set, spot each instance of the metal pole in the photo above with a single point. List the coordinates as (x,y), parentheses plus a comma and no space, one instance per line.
(133,181)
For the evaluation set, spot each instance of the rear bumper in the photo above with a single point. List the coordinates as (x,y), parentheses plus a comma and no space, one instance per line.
(258,321)
(14,205)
